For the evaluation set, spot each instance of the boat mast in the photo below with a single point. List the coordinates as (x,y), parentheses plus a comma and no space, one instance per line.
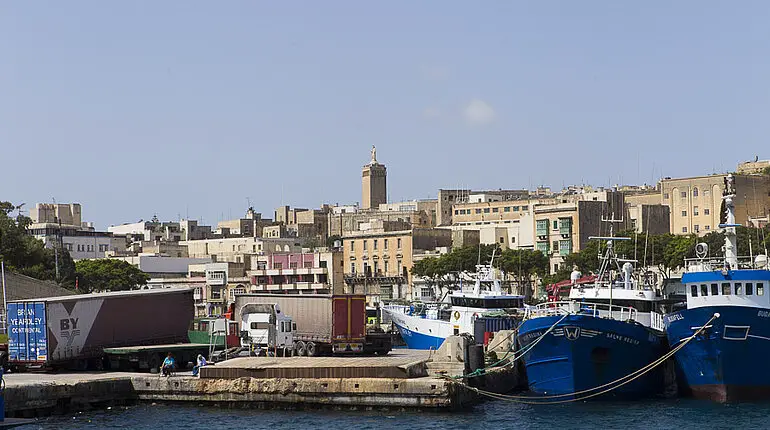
(731,240)
(609,255)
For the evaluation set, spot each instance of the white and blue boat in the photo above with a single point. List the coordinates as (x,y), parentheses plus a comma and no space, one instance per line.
(607,330)
(427,327)
(728,360)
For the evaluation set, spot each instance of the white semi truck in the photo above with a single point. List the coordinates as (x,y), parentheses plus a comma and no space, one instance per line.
(266,330)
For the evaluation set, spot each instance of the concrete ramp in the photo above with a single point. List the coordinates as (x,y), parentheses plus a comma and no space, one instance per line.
(399,364)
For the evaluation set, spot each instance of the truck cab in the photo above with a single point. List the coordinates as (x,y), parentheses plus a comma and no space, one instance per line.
(264,326)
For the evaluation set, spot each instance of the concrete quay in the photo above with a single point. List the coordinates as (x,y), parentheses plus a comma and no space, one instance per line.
(401,380)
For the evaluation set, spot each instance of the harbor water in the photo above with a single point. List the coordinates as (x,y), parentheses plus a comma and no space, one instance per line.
(651,414)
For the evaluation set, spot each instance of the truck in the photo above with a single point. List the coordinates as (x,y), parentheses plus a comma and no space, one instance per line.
(73,331)
(265,329)
(325,323)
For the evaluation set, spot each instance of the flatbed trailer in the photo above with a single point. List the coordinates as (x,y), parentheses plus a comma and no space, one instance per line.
(150,357)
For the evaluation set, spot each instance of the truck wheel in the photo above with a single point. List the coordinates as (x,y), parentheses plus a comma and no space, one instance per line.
(300,348)
(312,350)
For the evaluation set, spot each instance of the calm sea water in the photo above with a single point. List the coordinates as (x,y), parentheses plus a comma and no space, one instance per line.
(656,414)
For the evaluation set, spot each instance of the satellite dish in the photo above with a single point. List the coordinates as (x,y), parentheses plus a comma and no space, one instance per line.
(701,250)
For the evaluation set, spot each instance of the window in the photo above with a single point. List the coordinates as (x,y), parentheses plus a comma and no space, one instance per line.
(352,245)
(495,210)
(694,211)
(704,291)
(749,289)
(375,243)
(683,194)
(486,210)
(760,289)
(684,229)
(695,192)
(365,244)
(684,213)
(376,268)
(515,208)
(457,212)
(507,209)
(738,288)
(726,289)
(386,267)
(398,266)
(555,268)
(706,193)
(665,196)
(555,225)
(555,245)
(398,243)
(707,228)
(353,268)
(385,243)
(277,265)
(478,211)
(293,265)
(525,208)
(696,227)
(714,289)
(694,290)
(706,211)
(502,240)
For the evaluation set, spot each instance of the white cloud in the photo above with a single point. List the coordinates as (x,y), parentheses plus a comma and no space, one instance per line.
(479,112)
(431,112)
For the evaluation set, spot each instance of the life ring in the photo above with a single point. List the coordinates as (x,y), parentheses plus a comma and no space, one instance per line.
(457,315)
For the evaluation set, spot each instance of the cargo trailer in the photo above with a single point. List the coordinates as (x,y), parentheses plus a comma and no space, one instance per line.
(325,324)
(73,331)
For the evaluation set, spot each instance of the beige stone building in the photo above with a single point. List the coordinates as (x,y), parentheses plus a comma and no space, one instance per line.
(696,202)
(378,262)
(239,249)
(754,167)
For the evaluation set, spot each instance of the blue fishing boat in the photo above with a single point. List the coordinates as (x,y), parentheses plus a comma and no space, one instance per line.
(728,298)
(608,329)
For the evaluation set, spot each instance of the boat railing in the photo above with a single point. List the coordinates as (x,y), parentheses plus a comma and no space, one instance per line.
(718,263)
(656,321)
(602,310)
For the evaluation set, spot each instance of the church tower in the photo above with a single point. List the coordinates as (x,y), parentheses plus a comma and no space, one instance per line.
(373,182)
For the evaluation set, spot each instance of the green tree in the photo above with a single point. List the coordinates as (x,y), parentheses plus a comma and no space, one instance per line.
(24,254)
(525,266)
(108,275)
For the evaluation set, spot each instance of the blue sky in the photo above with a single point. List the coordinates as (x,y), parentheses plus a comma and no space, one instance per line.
(193,107)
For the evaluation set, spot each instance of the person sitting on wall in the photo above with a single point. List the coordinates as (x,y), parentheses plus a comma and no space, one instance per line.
(169,364)
(200,362)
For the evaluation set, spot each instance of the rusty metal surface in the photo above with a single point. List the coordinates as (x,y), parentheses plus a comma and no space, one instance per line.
(409,364)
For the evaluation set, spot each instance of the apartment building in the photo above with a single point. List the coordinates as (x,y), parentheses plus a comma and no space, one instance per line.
(695,203)
(378,262)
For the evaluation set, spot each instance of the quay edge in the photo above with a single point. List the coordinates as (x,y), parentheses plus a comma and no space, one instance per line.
(419,393)
(56,394)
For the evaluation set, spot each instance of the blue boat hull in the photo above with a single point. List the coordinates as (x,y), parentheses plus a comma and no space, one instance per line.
(416,340)
(584,352)
(727,362)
